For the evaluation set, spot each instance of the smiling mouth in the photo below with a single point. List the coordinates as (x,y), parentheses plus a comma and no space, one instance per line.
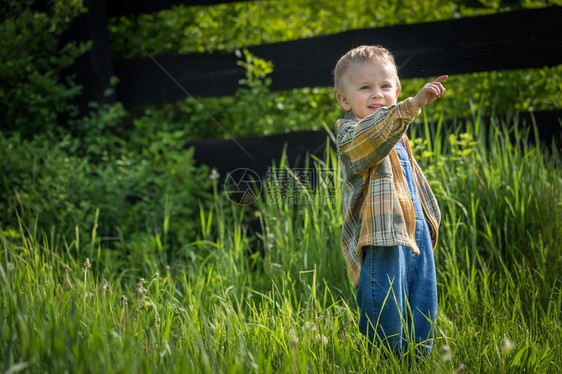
(375,106)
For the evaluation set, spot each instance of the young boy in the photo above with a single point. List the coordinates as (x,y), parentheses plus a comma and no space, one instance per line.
(391,215)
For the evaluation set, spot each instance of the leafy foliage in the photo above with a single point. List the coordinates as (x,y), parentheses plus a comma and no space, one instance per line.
(188,29)
(252,110)
(90,174)
(121,197)
(33,92)
(496,92)
(257,111)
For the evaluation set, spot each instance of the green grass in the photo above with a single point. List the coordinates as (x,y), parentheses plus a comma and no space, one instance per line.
(291,308)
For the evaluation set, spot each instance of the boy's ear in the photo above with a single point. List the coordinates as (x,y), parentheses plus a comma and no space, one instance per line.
(343,102)
(397,92)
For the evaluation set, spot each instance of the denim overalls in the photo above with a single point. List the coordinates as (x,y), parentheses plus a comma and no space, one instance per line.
(397,290)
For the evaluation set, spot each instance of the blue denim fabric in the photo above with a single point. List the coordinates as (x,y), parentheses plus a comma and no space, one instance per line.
(397,290)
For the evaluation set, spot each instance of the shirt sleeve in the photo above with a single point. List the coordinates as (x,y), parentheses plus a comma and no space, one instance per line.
(365,143)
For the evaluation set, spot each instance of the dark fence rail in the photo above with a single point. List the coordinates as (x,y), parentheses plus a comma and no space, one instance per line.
(258,153)
(511,40)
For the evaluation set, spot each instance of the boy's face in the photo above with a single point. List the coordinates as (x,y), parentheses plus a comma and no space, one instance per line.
(366,87)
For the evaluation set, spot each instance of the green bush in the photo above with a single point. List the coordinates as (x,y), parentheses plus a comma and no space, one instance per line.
(122,183)
(33,93)
(116,199)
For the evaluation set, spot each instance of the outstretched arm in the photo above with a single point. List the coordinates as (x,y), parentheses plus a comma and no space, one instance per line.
(430,92)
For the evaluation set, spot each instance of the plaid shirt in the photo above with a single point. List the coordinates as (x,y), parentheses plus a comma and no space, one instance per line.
(378,210)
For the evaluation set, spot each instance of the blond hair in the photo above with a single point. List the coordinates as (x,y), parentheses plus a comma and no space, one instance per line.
(360,55)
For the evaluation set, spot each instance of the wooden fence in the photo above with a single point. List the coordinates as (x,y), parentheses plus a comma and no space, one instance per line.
(514,40)
(519,39)
(528,38)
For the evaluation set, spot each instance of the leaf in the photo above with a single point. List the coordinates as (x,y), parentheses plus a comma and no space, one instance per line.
(519,356)
(16,368)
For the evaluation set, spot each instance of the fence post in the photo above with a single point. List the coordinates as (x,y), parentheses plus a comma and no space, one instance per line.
(94,69)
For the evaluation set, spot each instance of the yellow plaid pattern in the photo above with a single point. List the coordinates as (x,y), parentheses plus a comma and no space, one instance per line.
(377,207)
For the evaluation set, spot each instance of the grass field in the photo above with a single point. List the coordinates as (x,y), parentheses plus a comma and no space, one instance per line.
(224,305)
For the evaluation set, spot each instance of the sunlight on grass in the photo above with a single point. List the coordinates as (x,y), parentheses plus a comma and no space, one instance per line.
(281,301)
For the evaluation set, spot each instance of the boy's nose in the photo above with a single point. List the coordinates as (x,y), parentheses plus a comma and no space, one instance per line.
(377,93)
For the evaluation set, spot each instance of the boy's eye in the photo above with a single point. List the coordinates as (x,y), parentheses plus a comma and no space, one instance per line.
(386,85)
(365,87)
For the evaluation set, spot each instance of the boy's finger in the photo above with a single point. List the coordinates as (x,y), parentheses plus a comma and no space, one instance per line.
(441,78)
